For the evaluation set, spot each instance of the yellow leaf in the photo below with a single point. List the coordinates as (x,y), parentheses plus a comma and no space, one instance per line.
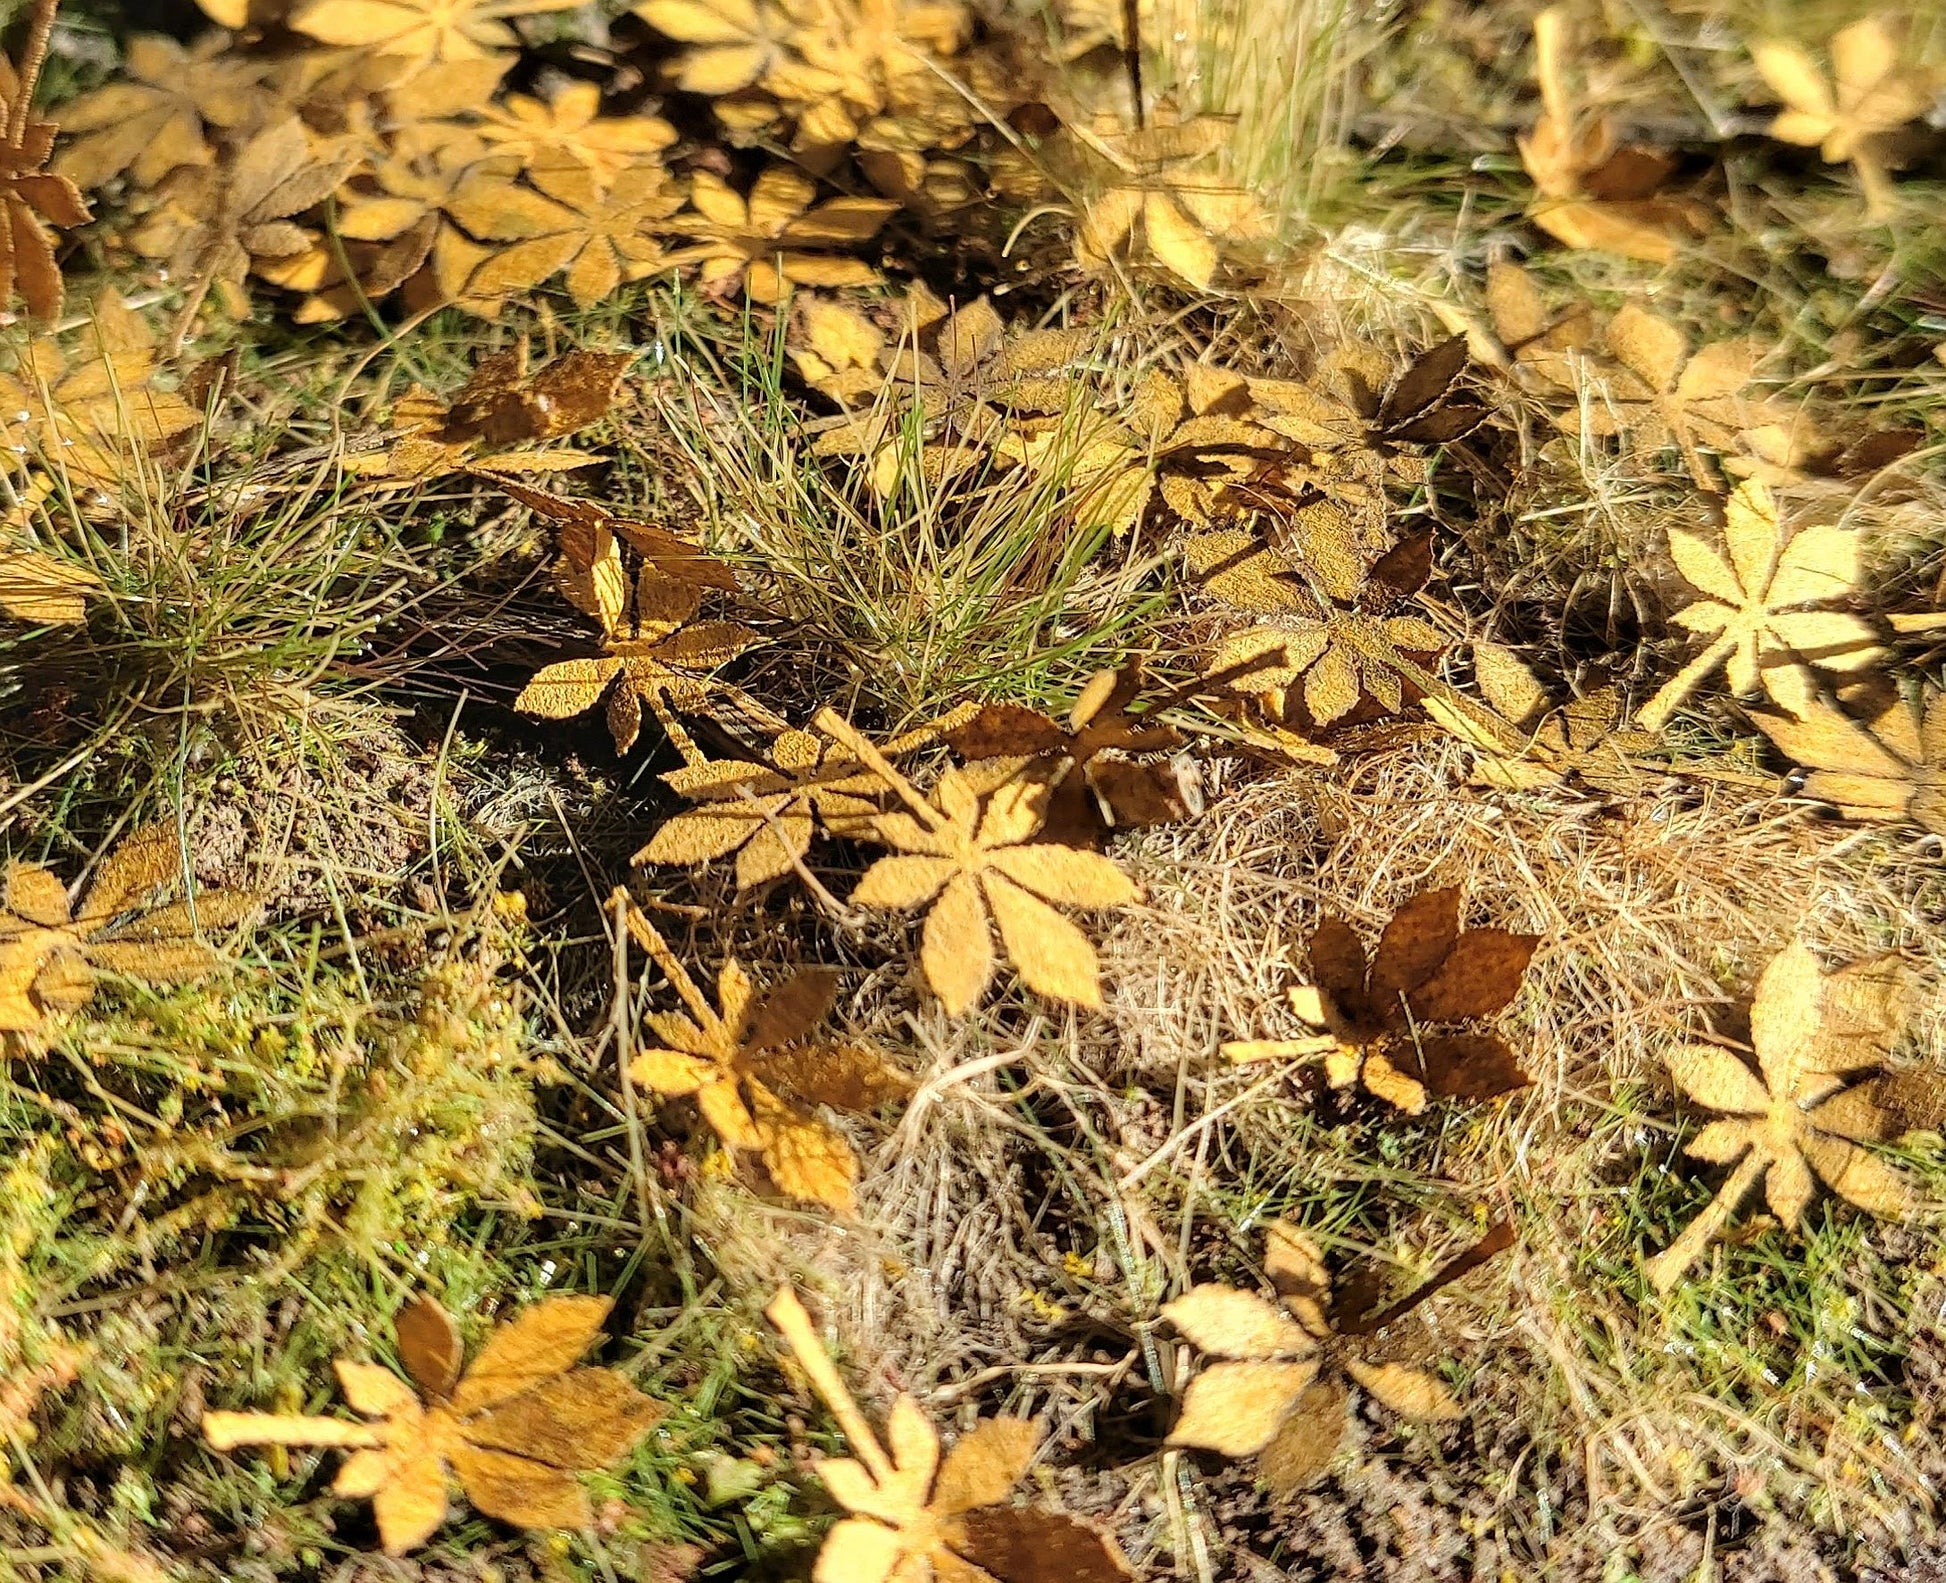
(1810,1031)
(516,1427)
(36,587)
(1237,1324)
(1234,1409)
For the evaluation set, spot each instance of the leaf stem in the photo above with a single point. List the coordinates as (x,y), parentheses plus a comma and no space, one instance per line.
(787,1313)
(226,1431)
(1654,714)
(649,938)
(1667,1267)
(841,730)
(28,73)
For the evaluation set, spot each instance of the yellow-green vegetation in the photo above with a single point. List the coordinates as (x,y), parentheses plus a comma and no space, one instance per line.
(1030,792)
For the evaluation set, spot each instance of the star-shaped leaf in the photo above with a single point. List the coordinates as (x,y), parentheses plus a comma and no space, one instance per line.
(1327,654)
(420,30)
(213,224)
(154,117)
(1387,1018)
(1895,768)
(755,1072)
(1799,1117)
(53,952)
(513,1430)
(779,236)
(916,1515)
(768,813)
(1753,606)
(1850,114)
(1277,1394)
(971,860)
(1097,786)
(601,231)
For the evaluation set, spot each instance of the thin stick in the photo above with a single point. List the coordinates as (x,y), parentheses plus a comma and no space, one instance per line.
(788,1315)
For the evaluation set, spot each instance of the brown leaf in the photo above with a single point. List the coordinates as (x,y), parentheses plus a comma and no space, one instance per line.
(1308,1439)
(1419,937)
(1023,1544)
(1479,976)
(429,1346)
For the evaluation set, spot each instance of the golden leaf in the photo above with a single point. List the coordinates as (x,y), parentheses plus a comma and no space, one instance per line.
(779,236)
(569,125)
(972,860)
(916,1514)
(1093,787)
(737,41)
(1266,1396)
(1849,115)
(745,1059)
(1798,1115)
(1752,607)
(212,225)
(35,586)
(1592,194)
(1319,661)
(51,957)
(1520,742)
(768,815)
(420,30)
(1894,768)
(602,230)
(837,350)
(1185,215)
(513,1430)
(93,411)
(154,117)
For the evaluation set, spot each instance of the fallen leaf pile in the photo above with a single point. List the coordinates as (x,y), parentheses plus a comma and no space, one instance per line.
(1803,1114)
(53,951)
(512,1429)
(1275,1394)
(1381,1013)
(914,1514)
(975,288)
(754,1072)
